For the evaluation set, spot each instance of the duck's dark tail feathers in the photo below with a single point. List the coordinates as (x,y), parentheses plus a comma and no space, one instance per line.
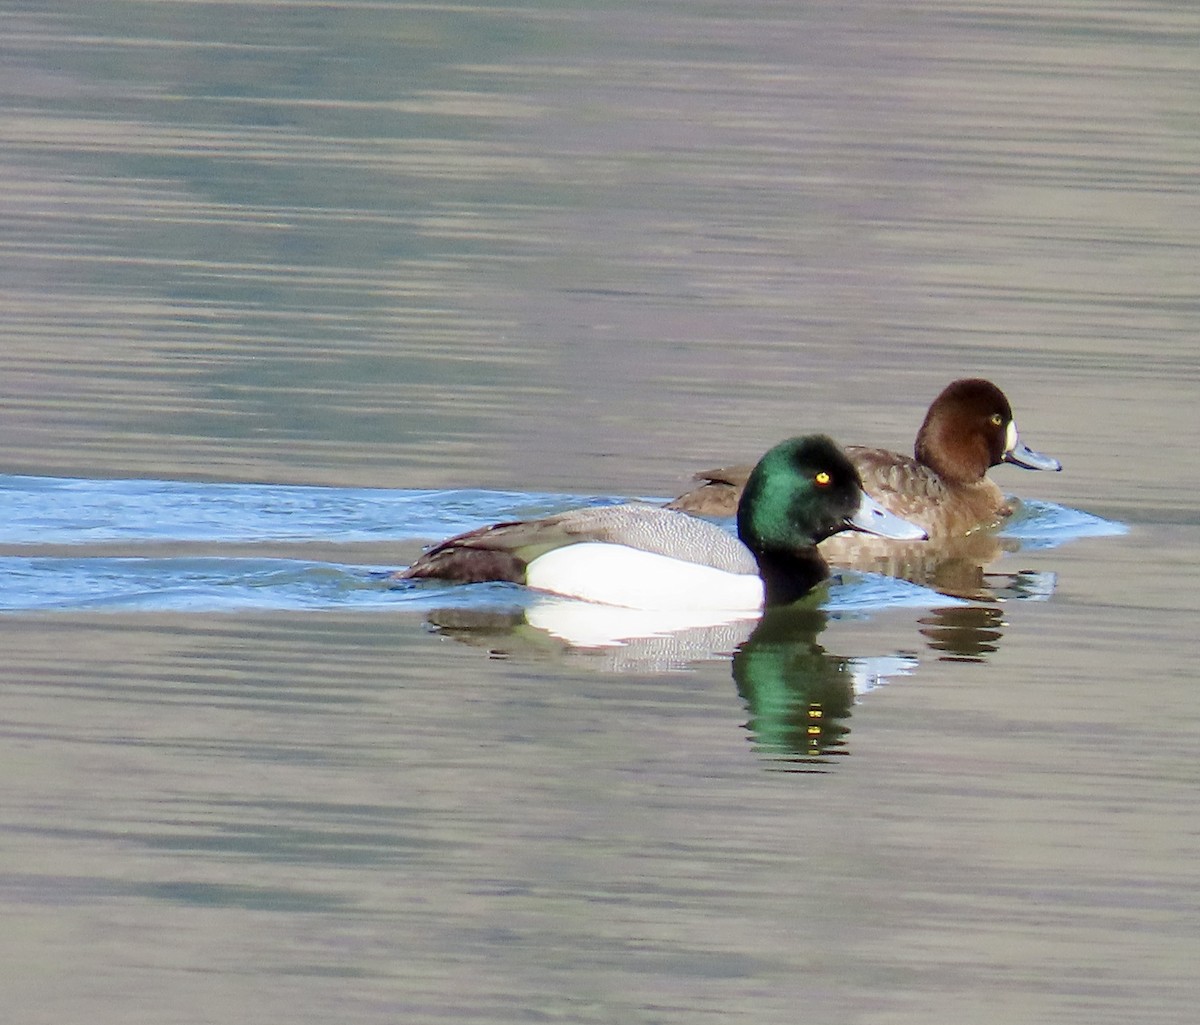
(471,558)
(466,565)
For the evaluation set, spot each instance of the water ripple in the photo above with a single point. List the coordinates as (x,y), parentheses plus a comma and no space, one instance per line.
(83,514)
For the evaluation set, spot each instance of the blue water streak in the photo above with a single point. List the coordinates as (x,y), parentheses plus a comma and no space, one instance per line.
(1046,525)
(80,513)
(52,510)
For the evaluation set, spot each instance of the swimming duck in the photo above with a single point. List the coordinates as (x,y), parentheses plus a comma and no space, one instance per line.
(644,556)
(944,489)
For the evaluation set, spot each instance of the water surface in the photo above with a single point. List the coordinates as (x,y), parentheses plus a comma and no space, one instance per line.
(289,290)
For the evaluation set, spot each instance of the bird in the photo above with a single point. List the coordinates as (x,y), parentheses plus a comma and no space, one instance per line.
(638,555)
(943,487)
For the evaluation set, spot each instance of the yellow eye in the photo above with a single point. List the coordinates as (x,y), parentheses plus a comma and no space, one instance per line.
(997,420)
(822,479)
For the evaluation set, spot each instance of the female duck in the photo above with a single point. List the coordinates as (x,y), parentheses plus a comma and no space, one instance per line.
(945,489)
(642,556)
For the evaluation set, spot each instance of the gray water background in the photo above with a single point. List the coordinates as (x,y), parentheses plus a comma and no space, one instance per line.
(576,250)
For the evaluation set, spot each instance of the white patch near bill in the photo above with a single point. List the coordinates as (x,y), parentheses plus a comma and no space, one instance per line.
(1010,437)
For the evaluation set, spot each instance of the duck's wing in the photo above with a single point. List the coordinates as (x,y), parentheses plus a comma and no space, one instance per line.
(891,478)
(487,553)
(717,494)
(504,550)
(915,492)
(899,483)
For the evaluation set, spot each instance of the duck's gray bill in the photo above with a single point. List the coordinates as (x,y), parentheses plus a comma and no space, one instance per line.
(873,518)
(1022,455)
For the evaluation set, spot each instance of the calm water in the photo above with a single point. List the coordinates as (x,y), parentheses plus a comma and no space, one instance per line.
(290,289)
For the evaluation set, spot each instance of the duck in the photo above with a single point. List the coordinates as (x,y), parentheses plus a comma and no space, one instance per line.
(943,487)
(644,556)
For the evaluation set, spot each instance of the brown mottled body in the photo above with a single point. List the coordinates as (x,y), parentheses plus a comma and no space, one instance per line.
(944,487)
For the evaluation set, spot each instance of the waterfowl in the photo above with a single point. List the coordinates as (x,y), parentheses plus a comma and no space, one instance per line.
(644,556)
(943,488)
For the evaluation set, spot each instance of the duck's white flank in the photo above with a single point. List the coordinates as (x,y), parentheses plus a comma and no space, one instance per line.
(635,579)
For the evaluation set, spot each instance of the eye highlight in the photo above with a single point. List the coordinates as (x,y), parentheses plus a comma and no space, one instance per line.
(997,419)
(822,479)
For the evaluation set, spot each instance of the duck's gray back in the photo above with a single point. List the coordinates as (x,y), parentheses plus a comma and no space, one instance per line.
(664,531)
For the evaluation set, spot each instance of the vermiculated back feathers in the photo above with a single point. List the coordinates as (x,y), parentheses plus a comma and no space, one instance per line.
(503,551)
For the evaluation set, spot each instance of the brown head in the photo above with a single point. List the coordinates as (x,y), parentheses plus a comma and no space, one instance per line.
(969,428)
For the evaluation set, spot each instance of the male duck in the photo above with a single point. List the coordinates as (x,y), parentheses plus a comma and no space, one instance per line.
(945,489)
(643,556)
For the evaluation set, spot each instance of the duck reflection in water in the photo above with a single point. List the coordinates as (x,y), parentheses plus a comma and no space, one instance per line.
(963,633)
(959,567)
(798,697)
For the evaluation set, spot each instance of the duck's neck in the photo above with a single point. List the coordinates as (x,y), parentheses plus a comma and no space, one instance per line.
(963,460)
(789,574)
